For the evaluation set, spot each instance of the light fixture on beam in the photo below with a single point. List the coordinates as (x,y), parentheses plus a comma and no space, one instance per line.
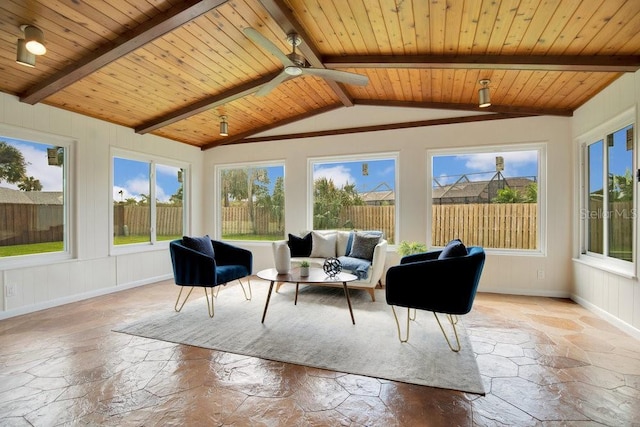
(224,126)
(24,57)
(483,94)
(34,39)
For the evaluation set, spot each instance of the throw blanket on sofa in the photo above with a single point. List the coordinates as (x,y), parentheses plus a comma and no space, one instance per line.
(359,267)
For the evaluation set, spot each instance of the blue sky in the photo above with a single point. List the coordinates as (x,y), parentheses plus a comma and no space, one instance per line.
(132,178)
(378,174)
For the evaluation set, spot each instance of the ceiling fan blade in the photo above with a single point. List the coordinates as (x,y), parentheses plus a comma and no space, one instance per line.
(269,86)
(267,45)
(337,75)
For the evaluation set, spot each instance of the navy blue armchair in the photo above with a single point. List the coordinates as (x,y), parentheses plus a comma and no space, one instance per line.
(208,267)
(424,282)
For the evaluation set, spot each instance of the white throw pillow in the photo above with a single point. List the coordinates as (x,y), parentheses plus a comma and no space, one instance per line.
(323,246)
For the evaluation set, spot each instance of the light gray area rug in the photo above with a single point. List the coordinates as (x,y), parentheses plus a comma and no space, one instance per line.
(318,332)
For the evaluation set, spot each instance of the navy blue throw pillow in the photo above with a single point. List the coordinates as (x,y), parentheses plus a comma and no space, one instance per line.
(454,248)
(300,246)
(200,244)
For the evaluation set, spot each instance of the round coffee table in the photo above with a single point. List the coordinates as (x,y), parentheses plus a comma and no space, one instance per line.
(316,276)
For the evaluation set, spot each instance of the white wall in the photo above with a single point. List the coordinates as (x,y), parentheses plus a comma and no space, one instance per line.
(503,273)
(614,296)
(93,271)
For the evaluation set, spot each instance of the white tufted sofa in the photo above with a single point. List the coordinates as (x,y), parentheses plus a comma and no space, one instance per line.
(374,273)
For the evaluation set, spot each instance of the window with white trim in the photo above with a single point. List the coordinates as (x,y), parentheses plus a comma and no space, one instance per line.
(608,201)
(148,199)
(34,195)
(489,197)
(355,192)
(252,201)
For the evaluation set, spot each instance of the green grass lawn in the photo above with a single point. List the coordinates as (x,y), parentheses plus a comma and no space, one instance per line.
(33,248)
(262,237)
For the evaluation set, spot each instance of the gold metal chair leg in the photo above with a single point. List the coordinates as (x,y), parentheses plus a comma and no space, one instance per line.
(455,331)
(209,304)
(175,307)
(217,291)
(398,324)
(248,298)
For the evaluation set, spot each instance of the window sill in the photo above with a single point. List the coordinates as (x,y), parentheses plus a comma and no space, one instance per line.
(604,265)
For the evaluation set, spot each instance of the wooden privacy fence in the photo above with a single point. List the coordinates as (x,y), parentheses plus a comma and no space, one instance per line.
(619,221)
(371,218)
(496,225)
(236,220)
(137,220)
(22,224)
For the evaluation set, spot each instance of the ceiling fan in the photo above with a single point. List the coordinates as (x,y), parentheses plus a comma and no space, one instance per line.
(296,65)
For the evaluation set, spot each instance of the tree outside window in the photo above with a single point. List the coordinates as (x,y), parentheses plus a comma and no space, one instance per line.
(252,202)
(355,194)
(32,198)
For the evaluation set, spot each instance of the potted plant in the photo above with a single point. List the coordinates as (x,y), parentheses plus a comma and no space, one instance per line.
(409,248)
(304,268)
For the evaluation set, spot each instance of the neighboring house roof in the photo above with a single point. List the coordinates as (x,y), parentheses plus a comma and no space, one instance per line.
(9,196)
(470,189)
(378,196)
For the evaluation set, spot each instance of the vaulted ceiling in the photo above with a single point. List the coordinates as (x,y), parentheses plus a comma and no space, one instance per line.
(172,68)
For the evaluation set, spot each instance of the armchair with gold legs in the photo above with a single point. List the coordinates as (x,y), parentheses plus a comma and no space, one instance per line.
(433,282)
(202,262)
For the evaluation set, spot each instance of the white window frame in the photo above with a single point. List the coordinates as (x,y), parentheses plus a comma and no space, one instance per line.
(395,156)
(153,243)
(68,144)
(541,147)
(217,211)
(599,133)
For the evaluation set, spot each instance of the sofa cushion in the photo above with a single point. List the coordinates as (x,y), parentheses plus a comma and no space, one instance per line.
(343,243)
(454,248)
(200,244)
(300,246)
(323,245)
(363,245)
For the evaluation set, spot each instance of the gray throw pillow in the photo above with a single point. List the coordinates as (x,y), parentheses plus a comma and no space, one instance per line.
(363,245)
(200,244)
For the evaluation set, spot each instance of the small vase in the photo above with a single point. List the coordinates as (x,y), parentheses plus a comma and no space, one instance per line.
(283,259)
(304,271)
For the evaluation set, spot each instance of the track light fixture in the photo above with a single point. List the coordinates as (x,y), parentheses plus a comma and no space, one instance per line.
(224,126)
(34,39)
(483,94)
(24,57)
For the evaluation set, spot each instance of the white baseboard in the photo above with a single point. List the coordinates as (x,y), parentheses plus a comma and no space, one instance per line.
(80,297)
(620,324)
(526,292)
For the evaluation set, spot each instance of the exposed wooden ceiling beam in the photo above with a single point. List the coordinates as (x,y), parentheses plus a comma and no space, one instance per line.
(144,33)
(205,104)
(283,16)
(240,138)
(593,63)
(505,109)
(390,126)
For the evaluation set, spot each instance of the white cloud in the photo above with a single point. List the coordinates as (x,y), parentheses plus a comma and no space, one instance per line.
(514,161)
(37,166)
(339,174)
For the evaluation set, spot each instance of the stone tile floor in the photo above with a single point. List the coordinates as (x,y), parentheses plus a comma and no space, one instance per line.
(544,361)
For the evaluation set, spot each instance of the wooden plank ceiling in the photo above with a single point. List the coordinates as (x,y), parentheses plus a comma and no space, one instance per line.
(172,67)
